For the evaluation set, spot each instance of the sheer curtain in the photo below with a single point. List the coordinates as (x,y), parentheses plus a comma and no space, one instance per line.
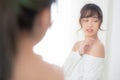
(114,64)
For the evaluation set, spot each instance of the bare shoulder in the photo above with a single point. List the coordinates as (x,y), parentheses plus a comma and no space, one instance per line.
(98,49)
(57,73)
(35,68)
(50,71)
(76,46)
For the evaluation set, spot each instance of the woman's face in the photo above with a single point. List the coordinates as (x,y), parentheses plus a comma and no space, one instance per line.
(41,24)
(90,25)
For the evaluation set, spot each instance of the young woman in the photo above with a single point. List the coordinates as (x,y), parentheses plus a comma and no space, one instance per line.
(23,23)
(87,57)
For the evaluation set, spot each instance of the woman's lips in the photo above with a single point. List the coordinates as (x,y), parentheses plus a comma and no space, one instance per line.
(89,30)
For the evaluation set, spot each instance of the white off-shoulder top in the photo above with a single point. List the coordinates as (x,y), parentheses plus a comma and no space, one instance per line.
(86,67)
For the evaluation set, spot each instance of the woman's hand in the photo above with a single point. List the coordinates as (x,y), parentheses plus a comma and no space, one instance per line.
(85,46)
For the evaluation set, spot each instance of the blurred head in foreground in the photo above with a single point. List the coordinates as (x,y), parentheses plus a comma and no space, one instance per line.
(20,20)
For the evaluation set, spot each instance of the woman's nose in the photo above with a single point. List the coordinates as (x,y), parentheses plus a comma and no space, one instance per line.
(90,24)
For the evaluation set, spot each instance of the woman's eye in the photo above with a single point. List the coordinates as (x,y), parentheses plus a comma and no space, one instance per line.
(96,21)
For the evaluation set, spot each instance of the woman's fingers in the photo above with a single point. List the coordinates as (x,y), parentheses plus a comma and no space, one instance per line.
(86,45)
(82,45)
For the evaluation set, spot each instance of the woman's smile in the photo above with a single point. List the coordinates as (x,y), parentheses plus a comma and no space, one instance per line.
(89,30)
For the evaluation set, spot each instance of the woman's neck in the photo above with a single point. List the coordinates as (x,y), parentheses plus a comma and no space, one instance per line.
(25,46)
(95,37)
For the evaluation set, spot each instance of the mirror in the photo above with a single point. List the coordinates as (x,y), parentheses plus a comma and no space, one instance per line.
(61,37)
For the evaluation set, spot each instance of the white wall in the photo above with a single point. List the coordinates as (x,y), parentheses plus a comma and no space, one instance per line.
(114,66)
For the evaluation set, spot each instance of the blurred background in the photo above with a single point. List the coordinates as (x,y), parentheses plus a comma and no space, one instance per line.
(64,32)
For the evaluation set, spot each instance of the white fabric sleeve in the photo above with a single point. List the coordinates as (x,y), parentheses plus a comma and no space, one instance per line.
(93,70)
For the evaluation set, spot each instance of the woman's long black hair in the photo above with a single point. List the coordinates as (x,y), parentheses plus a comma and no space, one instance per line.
(15,16)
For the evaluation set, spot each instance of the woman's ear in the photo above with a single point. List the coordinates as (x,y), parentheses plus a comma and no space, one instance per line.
(80,22)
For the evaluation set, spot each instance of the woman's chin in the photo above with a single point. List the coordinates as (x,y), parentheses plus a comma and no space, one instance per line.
(89,35)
